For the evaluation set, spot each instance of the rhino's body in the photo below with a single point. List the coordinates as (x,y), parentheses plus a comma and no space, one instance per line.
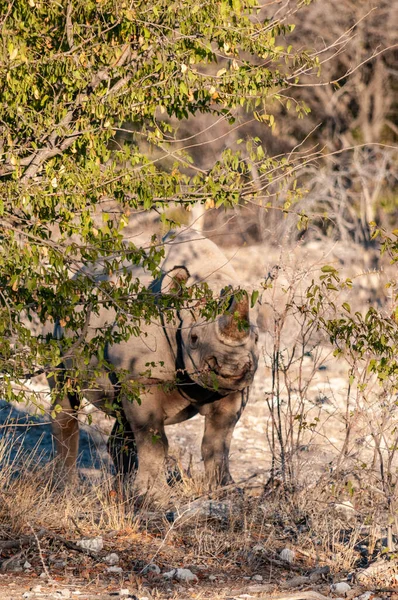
(190,352)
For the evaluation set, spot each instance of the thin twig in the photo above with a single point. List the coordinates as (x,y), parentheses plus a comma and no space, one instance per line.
(45,569)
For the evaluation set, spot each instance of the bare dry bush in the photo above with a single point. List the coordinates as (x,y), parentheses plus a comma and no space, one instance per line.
(331,423)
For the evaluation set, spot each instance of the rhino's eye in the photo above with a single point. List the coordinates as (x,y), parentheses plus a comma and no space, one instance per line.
(193,340)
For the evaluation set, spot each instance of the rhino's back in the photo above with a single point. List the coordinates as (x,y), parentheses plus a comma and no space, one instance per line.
(203,259)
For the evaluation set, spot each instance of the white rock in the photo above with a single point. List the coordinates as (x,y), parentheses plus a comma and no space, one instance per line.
(112,559)
(27,565)
(257,577)
(37,589)
(114,569)
(151,568)
(342,587)
(62,594)
(212,577)
(258,549)
(184,575)
(288,555)
(365,595)
(43,575)
(170,574)
(345,509)
(93,544)
(27,594)
(124,592)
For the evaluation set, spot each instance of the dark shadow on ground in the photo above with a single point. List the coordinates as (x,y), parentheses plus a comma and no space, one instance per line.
(31,433)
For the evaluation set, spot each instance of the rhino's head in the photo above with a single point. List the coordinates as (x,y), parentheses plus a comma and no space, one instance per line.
(221,354)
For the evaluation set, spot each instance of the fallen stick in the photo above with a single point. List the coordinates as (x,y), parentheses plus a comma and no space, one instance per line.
(71,545)
(46,533)
(23,541)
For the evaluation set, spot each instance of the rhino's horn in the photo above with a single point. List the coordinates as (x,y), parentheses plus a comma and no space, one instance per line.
(234,325)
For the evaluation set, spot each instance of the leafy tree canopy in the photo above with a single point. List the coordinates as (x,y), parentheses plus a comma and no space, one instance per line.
(72,75)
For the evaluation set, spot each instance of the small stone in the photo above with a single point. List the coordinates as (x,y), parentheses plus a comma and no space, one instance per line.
(114,569)
(288,555)
(345,509)
(365,596)
(37,589)
(212,577)
(258,549)
(112,559)
(151,568)
(27,565)
(43,575)
(257,577)
(62,594)
(92,544)
(170,574)
(184,575)
(124,592)
(27,594)
(342,587)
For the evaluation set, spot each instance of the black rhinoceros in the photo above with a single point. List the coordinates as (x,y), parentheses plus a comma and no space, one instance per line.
(206,367)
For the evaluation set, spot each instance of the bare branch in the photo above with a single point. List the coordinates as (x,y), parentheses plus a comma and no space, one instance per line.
(69,25)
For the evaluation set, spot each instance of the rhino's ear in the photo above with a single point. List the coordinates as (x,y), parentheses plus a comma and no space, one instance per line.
(175,280)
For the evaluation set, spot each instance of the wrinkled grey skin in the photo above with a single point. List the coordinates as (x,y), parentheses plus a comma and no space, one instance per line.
(209,350)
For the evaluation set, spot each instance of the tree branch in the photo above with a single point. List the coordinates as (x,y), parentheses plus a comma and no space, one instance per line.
(69,25)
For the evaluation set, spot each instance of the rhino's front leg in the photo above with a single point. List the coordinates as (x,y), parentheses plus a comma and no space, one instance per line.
(220,420)
(147,423)
(65,430)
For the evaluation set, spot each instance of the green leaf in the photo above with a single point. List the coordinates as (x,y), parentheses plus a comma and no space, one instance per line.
(328,269)
(184,88)
(253,298)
